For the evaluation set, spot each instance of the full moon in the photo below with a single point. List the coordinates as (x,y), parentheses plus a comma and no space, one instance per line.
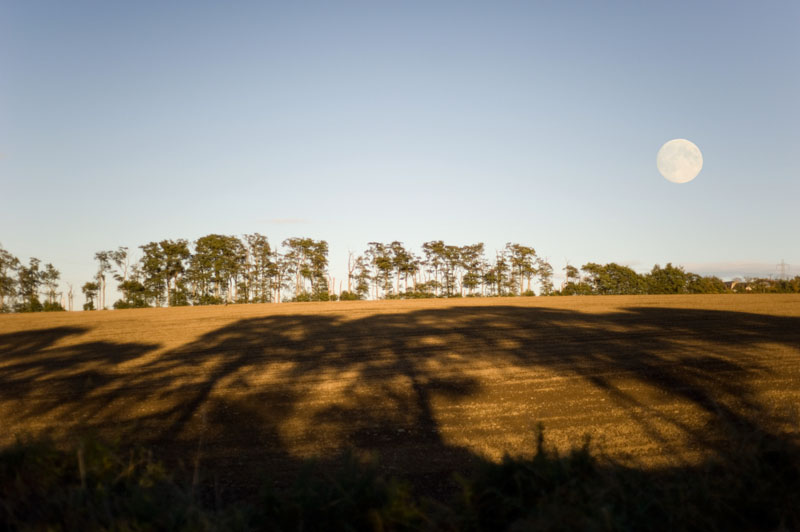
(679,160)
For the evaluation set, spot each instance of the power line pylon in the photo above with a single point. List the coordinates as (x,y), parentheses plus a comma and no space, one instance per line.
(783,268)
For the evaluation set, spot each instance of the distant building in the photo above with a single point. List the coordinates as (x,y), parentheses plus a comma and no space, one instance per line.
(738,285)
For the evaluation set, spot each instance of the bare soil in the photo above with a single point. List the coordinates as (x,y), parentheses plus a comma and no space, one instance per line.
(432,386)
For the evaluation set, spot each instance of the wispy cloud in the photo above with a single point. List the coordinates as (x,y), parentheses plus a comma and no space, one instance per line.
(738,269)
(631,263)
(285,221)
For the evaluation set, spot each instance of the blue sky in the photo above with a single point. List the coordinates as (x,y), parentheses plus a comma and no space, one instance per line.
(534,122)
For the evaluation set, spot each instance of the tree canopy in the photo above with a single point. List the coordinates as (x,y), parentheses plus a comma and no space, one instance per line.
(224,269)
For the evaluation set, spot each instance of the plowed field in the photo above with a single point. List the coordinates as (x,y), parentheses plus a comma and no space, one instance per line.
(430,385)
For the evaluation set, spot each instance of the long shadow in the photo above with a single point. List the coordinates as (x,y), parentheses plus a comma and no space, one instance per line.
(48,381)
(263,394)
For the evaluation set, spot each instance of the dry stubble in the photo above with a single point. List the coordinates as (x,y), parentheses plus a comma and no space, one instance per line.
(428,384)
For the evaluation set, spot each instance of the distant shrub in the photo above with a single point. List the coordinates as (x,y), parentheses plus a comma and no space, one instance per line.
(349,296)
(206,299)
(120,304)
(30,305)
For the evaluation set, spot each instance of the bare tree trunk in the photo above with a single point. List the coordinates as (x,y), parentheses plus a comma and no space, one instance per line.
(350,269)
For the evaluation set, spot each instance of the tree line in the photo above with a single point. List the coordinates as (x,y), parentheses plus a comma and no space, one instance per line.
(221,269)
(28,288)
(214,269)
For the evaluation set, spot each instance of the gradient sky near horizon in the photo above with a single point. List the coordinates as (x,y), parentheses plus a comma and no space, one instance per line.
(532,122)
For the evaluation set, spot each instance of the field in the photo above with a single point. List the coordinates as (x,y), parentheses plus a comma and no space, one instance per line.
(431,385)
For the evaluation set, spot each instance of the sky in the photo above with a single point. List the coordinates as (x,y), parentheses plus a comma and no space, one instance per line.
(123,123)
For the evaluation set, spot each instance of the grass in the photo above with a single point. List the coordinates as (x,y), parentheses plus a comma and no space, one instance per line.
(92,487)
(755,486)
(678,393)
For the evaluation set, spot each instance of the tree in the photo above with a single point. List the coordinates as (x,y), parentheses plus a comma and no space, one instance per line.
(103,259)
(571,273)
(522,262)
(434,260)
(403,264)
(358,279)
(696,284)
(451,260)
(29,279)
(666,280)
(308,262)
(9,264)
(544,271)
(319,270)
(444,259)
(134,295)
(70,297)
(496,278)
(215,269)
(152,269)
(262,269)
(613,279)
(50,277)
(90,291)
(351,268)
(380,258)
(282,270)
(474,264)
(120,258)
(576,288)
(174,254)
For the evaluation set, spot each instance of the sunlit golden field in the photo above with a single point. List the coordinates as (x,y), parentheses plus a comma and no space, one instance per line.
(428,384)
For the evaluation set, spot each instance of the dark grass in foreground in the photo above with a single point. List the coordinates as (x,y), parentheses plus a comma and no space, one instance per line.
(753,485)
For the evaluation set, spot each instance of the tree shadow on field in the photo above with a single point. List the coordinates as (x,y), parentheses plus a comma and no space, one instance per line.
(429,390)
(45,374)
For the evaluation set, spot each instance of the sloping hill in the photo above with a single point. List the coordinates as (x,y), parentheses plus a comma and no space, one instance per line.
(430,384)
